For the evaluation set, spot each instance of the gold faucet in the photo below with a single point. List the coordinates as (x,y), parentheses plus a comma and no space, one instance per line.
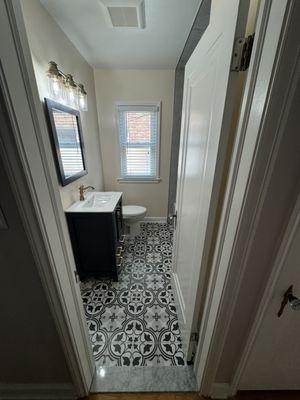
(82,189)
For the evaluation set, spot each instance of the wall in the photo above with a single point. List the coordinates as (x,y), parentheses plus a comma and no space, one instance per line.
(135,85)
(48,42)
(29,346)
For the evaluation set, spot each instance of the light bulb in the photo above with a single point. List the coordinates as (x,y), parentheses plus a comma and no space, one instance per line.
(55,89)
(71,91)
(82,103)
(54,81)
(72,97)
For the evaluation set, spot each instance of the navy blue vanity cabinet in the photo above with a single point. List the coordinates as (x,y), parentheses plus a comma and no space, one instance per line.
(98,242)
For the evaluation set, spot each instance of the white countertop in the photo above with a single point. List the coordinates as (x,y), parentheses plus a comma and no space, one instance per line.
(96,202)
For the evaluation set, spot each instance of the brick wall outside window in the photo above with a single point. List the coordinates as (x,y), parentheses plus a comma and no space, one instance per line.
(138,126)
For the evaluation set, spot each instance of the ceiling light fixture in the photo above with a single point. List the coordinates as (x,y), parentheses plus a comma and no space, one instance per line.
(64,89)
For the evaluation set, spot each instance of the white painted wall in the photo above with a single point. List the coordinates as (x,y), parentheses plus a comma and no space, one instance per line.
(48,42)
(135,85)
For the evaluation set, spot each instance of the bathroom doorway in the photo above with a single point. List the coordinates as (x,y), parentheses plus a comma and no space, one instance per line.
(155,237)
(132,318)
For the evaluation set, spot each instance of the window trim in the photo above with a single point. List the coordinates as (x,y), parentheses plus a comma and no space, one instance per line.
(141,179)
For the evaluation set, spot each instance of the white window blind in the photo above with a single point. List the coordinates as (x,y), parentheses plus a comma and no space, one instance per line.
(139,141)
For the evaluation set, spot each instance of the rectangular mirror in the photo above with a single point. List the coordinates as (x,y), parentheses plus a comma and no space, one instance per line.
(66,135)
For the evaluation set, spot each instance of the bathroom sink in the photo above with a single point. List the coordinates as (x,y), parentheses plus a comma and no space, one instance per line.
(96,202)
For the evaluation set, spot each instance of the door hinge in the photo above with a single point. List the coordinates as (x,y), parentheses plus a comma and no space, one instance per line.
(194,338)
(172,219)
(242,53)
(76,277)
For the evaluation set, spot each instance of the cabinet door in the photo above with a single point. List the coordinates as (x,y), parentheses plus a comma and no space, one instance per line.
(93,241)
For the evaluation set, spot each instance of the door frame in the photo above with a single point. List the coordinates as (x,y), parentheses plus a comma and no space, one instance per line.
(35,186)
(32,175)
(271,33)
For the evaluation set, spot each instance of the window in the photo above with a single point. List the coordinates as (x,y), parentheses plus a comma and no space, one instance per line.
(139,141)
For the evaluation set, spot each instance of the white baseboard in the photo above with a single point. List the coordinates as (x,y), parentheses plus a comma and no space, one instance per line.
(220,391)
(179,296)
(179,306)
(20,391)
(162,220)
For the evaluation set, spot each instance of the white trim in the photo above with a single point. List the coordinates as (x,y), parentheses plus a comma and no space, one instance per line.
(179,296)
(220,390)
(285,245)
(137,103)
(214,326)
(143,180)
(162,220)
(179,302)
(49,391)
(157,104)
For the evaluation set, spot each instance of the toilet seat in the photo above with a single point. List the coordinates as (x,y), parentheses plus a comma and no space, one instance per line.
(131,212)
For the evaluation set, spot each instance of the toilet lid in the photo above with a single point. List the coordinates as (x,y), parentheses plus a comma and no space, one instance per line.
(132,211)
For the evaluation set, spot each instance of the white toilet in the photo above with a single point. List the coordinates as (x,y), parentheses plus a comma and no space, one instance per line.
(132,216)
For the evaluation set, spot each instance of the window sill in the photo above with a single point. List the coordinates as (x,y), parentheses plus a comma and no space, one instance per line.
(133,180)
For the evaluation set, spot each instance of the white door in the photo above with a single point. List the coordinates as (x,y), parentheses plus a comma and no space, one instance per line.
(209,86)
(274,360)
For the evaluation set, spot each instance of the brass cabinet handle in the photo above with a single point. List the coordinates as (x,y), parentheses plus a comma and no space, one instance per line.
(119,262)
(119,251)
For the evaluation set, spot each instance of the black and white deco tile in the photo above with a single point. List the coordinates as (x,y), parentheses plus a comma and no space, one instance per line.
(134,322)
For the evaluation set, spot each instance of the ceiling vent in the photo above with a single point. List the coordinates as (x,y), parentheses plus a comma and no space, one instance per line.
(125,13)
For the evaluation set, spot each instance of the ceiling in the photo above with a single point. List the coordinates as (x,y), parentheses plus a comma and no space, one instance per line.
(159,45)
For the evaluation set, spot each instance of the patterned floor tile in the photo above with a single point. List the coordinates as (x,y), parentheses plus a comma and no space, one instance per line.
(133,322)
